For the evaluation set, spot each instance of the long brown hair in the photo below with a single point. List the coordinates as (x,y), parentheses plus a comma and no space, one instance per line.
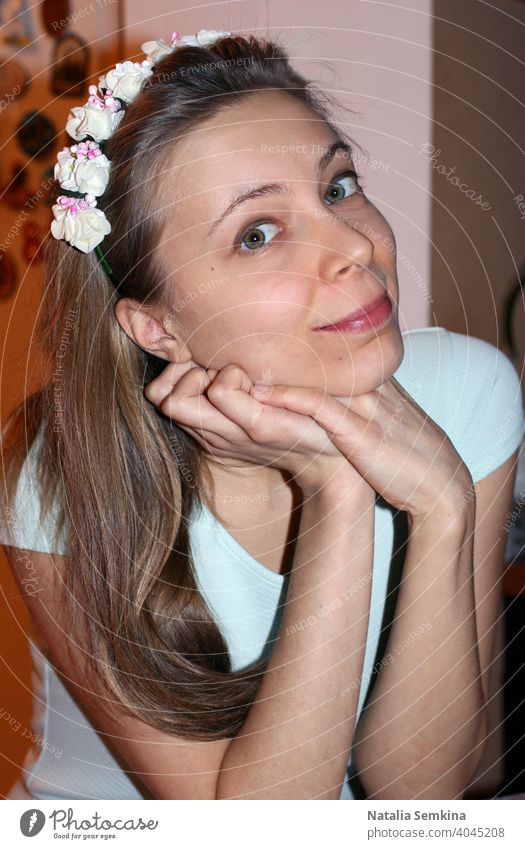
(125,477)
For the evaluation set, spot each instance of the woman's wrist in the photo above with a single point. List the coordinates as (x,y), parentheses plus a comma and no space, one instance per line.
(349,491)
(454,517)
(454,505)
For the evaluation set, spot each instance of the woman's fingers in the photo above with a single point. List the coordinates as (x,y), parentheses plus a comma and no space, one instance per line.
(218,409)
(187,404)
(158,388)
(181,393)
(337,420)
(230,392)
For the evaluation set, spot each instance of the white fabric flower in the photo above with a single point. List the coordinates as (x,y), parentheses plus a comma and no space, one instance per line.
(83,168)
(126,78)
(156,50)
(64,169)
(90,120)
(79,223)
(92,175)
(202,38)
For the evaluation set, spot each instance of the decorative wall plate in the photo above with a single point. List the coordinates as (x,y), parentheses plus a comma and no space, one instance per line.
(70,66)
(15,192)
(36,134)
(14,80)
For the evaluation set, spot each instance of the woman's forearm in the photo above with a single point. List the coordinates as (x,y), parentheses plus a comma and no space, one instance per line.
(421,735)
(296,740)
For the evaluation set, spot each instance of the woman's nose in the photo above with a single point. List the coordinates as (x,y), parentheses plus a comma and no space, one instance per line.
(339,246)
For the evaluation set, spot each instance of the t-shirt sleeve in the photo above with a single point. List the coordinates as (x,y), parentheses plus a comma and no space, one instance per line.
(20,522)
(487,416)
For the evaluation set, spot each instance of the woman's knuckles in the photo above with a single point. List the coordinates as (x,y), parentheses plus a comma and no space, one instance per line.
(154,392)
(230,378)
(172,406)
(190,382)
(233,375)
(218,391)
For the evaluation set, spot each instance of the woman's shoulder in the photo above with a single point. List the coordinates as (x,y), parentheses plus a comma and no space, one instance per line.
(470,388)
(456,368)
(22,523)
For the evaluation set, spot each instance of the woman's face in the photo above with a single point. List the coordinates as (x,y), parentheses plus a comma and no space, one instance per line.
(249,286)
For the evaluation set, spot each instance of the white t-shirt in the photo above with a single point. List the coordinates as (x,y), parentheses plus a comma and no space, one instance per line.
(464,384)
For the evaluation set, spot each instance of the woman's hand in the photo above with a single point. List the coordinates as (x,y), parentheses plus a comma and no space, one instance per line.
(219,411)
(397,448)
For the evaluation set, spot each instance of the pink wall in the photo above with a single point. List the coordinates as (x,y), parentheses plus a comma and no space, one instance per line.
(376,58)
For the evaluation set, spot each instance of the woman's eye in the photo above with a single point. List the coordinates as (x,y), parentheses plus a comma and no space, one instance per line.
(336,193)
(254,237)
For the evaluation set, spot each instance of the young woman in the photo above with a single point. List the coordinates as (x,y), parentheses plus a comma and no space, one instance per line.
(209,566)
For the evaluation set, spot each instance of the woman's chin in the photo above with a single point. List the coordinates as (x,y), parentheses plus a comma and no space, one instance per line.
(365,370)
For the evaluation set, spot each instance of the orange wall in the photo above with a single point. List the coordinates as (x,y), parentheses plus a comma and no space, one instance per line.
(17,316)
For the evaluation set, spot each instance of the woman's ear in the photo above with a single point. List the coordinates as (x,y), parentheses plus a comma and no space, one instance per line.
(150,333)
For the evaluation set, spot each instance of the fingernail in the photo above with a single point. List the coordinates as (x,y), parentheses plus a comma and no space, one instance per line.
(261,388)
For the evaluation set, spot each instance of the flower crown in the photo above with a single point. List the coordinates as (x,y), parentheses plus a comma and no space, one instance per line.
(82,170)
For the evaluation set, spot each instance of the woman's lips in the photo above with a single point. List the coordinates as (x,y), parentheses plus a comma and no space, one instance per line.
(373,315)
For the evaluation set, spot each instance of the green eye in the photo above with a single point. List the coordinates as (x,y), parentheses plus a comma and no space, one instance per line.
(254,236)
(347,177)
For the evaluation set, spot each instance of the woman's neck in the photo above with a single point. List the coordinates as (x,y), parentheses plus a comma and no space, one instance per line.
(260,506)
(233,481)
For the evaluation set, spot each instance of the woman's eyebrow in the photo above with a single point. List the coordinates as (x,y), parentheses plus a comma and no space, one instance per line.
(260,190)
